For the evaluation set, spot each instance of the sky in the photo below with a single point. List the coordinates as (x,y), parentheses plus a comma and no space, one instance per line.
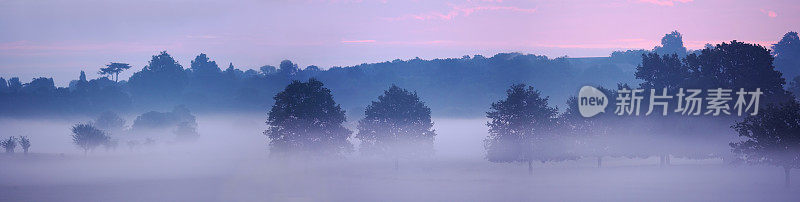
(60,38)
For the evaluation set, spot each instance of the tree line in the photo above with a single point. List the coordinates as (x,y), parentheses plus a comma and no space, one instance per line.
(525,128)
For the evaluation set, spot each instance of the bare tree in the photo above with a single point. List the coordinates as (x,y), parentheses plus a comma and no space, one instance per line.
(9,144)
(25,142)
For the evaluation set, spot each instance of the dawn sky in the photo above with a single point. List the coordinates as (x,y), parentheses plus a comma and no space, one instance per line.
(59,38)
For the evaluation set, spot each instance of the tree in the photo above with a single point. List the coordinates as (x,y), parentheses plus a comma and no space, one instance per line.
(398,124)
(518,124)
(794,86)
(3,85)
(660,72)
(771,137)
(9,144)
(25,142)
(267,70)
(306,120)
(88,137)
(14,85)
(163,79)
(202,65)
(113,69)
(593,136)
(671,43)
(79,85)
(109,121)
(787,55)
(288,68)
(737,65)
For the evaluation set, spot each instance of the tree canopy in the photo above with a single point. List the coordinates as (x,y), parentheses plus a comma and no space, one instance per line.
(306,120)
(397,124)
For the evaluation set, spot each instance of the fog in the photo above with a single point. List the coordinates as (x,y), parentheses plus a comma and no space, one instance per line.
(230,162)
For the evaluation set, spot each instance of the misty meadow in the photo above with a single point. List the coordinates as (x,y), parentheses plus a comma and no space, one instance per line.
(475,128)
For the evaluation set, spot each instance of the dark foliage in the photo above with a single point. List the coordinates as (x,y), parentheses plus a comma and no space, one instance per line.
(306,120)
(87,137)
(9,144)
(787,55)
(25,143)
(771,137)
(397,125)
(521,128)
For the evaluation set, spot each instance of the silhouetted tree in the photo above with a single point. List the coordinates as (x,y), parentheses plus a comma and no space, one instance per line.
(3,85)
(25,142)
(737,65)
(9,144)
(771,137)
(306,119)
(41,85)
(517,125)
(79,85)
(113,69)
(398,124)
(660,72)
(288,68)
(267,70)
(202,65)
(14,85)
(163,79)
(671,43)
(87,137)
(787,55)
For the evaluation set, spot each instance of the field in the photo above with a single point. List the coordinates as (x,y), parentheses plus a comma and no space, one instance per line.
(230,163)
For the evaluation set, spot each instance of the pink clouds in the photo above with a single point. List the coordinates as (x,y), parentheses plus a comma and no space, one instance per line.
(665,2)
(358,41)
(770,13)
(463,11)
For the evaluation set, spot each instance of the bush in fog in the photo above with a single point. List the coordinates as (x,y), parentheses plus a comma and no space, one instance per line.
(186,131)
(88,137)
(132,144)
(9,144)
(162,120)
(111,145)
(109,121)
(306,119)
(771,137)
(25,143)
(519,125)
(398,124)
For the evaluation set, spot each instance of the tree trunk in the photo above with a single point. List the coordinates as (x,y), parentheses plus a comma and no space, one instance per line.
(786,171)
(599,161)
(662,160)
(25,151)
(396,164)
(667,161)
(530,167)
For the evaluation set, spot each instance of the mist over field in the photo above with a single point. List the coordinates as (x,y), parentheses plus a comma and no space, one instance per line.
(399,100)
(230,162)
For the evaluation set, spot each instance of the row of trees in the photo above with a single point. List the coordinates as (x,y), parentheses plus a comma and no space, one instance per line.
(523,127)
(151,125)
(10,144)
(306,120)
(205,85)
